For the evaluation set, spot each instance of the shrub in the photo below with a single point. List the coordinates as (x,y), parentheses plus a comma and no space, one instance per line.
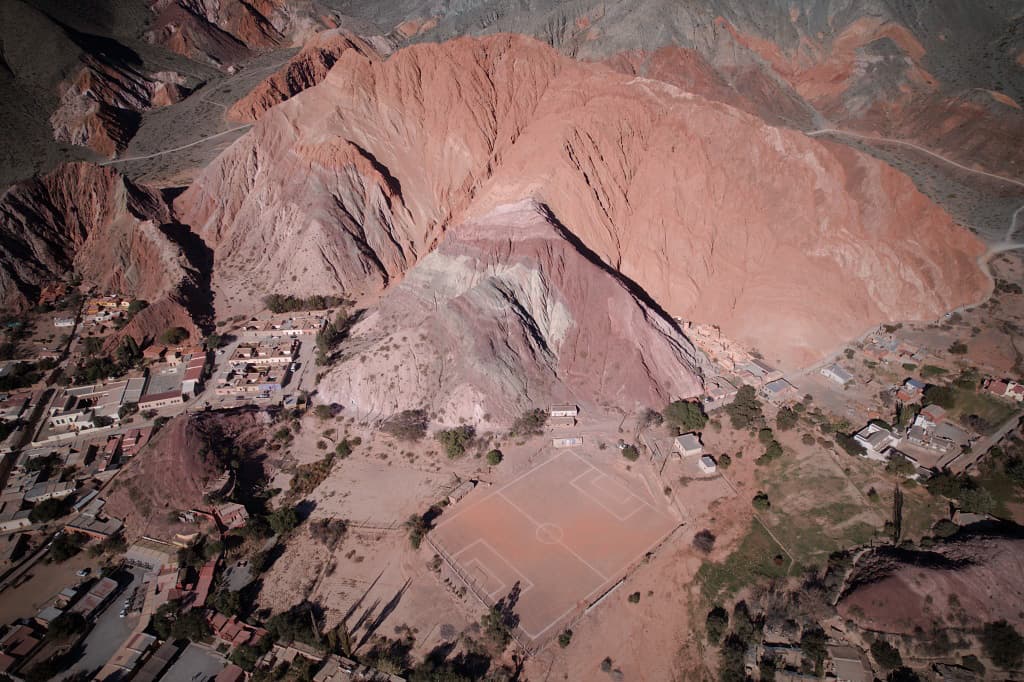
(807,439)
(494,457)
(943,396)
(172,336)
(724,461)
(761,501)
(958,348)
(685,415)
(886,654)
(929,371)
(704,541)
(945,528)
(899,465)
(1003,644)
(716,623)
(65,626)
(328,531)
(771,453)
(529,423)
(48,510)
(631,453)
(406,425)
(847,443)
(283,520)
(455,441)
(565,638)
(634,598)
(765,436)
(786,419)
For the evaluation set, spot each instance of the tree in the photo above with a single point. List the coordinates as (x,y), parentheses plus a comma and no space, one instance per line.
(455,441)
(283,520)
(172,336)
(408,425)
(66,625)
(716,623)
(812,643)
(631,453)
(529,423)
(903,674)
(771,453)
(417,525)
(977,500)
(745,410)
(765,436)
(886,654)
(136,306)
(958,348)
(943,396)
(704,541)
(684,415)
(93,345)
(48,510)
(494,457)
(1003,644)
(565,638)
(899,465)
(761,501)
(786,419)
(66,546)
(724,461)
(214,341)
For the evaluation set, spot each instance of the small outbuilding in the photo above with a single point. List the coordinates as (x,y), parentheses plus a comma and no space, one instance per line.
(707,464)
(837,374)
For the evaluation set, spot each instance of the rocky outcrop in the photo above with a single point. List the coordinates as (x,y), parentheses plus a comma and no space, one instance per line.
(220,32)
(506,314)
(101,106)
(92,221)
(719,217)
(962,583)
(304,70)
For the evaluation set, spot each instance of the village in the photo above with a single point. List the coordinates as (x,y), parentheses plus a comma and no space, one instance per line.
(160,605)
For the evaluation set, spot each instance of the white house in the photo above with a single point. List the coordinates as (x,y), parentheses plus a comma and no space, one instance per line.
(562,411)
(707,464)
(63,322)
(688,445)
(837,374)
(875,440)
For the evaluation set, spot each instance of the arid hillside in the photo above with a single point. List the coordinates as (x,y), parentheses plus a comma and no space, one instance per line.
(506,314)
(718,216)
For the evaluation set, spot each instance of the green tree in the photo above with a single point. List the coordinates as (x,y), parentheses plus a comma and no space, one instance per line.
(48,510)
(886,654)
(900,466)
(943,396)
(684,415)
(456,440)
(716,623)
(745,410)
(786,419)
(958,348)
(529,423)
(761,501)
(65,626)
(172,336)
(494,457)
(631,453)
(283,520)
(565,638)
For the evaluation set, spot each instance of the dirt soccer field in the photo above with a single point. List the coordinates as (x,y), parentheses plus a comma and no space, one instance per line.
(566,531)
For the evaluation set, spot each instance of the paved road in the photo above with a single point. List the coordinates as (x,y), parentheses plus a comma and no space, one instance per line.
(962,462)
(109,632)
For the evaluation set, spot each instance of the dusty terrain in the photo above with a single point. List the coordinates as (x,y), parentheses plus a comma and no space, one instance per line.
(653,209)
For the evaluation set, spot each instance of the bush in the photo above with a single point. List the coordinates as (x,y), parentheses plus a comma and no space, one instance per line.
(807,439)
(328,532)
(406,425)
(455,441)
(929,371)
(66,546)
(716,624)
(945,528)
(943,396)
(634,598)
(704,541)
(886,654)
(847,443)
(724,461)
(771,453)
(684,415)
(494,457)
(765,436)
(761,501)
(48,510)
(786,419)
(283,520)
(1003,644)
(65,626)
(899,465)
(173,336)
(565,638)
(958,348)
(631,453)
(529,423)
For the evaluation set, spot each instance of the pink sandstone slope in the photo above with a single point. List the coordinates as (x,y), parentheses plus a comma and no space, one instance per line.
(506,314)
(303,71)
(789,243)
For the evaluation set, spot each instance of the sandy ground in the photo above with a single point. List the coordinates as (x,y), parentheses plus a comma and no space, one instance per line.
(46,581)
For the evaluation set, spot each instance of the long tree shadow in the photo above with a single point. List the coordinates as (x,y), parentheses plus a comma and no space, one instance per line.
(388,609)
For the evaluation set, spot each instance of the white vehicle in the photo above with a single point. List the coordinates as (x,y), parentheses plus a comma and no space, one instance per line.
(83,572)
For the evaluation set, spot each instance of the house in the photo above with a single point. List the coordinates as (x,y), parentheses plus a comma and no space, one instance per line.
(932,415)
(151,554)
(231,515)
(232,673)
(47,615)
(192,382)
(558,411)
(49,490)
(875,439)
(158,400)
(757,373)
(567,442)
(779,391)
(96,598)
(63,322)
(719,392)
(154,352)
(461,491)
(341,669)
(688,445)
(231,632)
(910,392)
(126,659)
(1005,389)
(261,354)
(837,374)
(847,664)
(152,670)
(707,464)
(19,642)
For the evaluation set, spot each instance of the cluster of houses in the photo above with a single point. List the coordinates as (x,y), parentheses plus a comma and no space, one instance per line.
(283,326)
(259,367)
(689,445)
(882,346)
(931,436)
(1005,388)
(843,663)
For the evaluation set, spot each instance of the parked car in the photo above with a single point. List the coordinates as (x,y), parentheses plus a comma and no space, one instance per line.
(83,572)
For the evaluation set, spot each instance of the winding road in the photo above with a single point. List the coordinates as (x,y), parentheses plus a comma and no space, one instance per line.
(176,149)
